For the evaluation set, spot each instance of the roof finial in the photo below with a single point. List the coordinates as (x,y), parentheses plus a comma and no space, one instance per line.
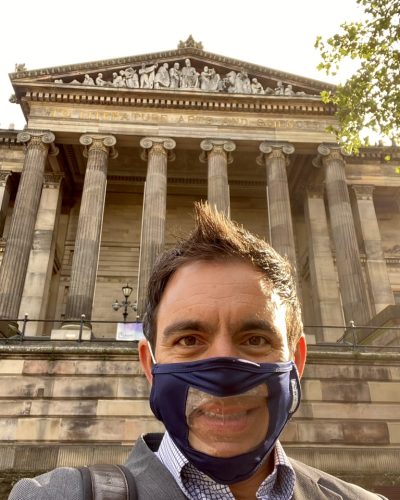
(190,44)
(20,67)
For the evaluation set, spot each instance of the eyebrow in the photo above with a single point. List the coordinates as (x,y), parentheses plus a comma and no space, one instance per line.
(184,326)
(203,326)
(258,324)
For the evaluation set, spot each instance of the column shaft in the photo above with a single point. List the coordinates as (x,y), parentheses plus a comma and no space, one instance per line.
(87,242)
(20,237)
(40,267)
(154,210)
(352,287)
(5,181)
(218,156)
(280,215)
(378,280)
(326,298)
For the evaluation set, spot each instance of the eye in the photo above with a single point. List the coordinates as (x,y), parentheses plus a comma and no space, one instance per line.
(256,341)
(188,341)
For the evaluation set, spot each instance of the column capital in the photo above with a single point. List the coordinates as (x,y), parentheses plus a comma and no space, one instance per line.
(363,191)
(331,151)
(161,145)
(98,142)
(219,146)
(273,149)
(41,139)
(4,176)
(52,180)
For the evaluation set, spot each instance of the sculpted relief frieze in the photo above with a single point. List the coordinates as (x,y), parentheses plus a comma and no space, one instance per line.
(162,76)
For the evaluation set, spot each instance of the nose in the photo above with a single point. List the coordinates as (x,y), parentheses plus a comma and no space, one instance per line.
(223,346)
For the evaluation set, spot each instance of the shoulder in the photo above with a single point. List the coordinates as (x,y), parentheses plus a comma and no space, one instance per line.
(317,484)
(63,483)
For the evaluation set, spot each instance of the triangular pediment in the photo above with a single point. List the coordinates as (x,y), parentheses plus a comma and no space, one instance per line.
(188,68)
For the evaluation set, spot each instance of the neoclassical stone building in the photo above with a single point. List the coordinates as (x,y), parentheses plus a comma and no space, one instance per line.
(104,177)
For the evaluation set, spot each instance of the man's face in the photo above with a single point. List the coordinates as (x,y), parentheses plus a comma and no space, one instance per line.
(214,309)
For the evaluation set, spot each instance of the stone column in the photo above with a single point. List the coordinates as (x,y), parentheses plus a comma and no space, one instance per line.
(217,153)
(378,280)
(20,237)
(157,151)
(5,188)
(348,263)
(275,158)
(326,297)
(41,260)
(98,148)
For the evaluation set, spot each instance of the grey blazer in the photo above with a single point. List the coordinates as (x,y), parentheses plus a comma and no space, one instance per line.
(154,481)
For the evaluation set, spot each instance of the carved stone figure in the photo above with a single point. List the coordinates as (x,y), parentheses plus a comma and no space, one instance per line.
(230,82)
(119,79)
(162,78)
(189,76)
(214,80)
(280,89)
(131,78)
(99,80)
(205,79)
(209,79)
(147,76)
(289,90)
(88,80)
(175,76)
(256,87)
(243,82)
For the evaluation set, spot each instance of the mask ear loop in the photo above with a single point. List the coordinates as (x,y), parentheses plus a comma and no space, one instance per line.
(151,353)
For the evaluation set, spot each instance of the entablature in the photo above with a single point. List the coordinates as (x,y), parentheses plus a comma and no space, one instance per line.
(161,99)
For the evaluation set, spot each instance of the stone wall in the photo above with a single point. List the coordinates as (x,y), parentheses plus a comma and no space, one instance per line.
(73,404)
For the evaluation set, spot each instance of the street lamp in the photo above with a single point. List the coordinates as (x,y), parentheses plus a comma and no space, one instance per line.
(126,290)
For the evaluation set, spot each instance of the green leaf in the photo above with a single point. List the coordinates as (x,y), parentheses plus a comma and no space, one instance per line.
(369,102)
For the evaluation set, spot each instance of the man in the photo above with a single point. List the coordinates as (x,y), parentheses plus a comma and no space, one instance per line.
(223,354)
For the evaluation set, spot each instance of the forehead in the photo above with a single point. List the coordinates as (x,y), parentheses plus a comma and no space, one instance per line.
(216,284)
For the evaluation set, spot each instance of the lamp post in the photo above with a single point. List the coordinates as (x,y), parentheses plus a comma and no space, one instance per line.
(126,290)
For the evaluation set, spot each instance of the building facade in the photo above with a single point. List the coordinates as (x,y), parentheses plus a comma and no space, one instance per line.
(105,175)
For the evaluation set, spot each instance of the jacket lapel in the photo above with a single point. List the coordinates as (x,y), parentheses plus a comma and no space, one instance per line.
(307,488)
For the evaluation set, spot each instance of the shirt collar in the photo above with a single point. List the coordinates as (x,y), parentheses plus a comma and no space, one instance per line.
(279,484)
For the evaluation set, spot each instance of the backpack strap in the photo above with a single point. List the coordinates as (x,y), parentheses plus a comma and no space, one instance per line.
(108,482)
(132,491)
(86,483)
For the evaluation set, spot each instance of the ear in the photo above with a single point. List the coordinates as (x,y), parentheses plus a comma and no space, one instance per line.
(300,354)
(145,359)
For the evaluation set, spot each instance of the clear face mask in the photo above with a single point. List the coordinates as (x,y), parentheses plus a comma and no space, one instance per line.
(227,426)
(225,414)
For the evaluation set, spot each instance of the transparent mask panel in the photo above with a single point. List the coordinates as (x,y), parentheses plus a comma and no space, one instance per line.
(227,426)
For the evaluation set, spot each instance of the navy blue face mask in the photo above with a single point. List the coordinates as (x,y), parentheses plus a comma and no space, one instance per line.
(224,378)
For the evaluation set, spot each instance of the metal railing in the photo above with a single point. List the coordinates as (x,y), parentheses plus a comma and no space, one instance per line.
(354,337)
(20,326)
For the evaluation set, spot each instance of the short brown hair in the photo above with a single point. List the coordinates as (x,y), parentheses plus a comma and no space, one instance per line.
(215,238)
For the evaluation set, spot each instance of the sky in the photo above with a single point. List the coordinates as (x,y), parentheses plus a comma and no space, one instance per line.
(278,34)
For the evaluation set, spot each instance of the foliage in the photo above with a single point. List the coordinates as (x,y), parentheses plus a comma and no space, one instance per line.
(369,102)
